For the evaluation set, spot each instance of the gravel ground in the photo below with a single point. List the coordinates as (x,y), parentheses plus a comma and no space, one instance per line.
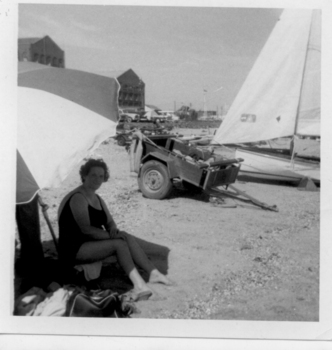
(242,263)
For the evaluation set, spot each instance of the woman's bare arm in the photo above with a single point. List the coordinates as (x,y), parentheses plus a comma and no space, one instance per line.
(79,208)
(111,226)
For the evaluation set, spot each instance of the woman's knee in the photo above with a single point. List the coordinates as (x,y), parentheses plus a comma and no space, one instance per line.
(123,235)
(128,236)
(119,244)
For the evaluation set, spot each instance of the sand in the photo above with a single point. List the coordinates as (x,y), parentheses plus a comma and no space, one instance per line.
(242,263)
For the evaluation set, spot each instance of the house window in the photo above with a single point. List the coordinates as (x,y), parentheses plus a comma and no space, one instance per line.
(48,60)
(42,59)
(24,56)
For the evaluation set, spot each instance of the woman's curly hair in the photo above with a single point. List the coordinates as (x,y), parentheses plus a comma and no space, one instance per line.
(91,163)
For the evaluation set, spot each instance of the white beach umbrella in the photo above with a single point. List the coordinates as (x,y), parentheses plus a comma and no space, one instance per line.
(63,116)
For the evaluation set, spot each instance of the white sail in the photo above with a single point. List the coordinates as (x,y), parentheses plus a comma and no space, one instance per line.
(309,107)
(266,107)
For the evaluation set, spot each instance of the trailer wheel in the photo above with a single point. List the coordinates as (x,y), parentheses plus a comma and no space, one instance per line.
(121,140)
(154,181)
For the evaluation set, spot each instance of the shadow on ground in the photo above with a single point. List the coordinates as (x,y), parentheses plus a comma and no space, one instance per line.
(192,193)
(112,275)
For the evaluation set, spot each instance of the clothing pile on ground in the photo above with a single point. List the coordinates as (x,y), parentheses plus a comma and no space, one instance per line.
(73,301)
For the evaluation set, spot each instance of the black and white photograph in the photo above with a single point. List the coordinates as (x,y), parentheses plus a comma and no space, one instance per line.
(163,171)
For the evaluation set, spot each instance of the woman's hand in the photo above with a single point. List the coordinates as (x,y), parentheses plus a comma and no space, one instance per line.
(117,234)
(112,230)
(121,235)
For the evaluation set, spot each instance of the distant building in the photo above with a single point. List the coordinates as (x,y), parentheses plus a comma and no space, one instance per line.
(41,50)
(46,51)
(208,113)
(132,89)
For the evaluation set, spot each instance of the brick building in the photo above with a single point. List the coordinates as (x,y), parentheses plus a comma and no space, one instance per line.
(42,50)
(46,51)
(132,88)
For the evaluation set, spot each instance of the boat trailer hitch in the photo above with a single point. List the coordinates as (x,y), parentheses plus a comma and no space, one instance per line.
(240,195)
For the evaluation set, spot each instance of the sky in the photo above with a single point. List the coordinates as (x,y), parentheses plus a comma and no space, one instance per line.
(177,51)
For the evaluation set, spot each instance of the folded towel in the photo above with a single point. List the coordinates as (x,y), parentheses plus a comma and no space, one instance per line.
(36,302)
(91,271)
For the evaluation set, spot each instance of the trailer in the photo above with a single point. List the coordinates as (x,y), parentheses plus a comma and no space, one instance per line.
(159,160)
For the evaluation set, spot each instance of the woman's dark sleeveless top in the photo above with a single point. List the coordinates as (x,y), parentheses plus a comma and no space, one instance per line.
(70,236)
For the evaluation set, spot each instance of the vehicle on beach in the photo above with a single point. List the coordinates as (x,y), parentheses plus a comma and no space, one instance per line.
(129,117)
(160,159)
(168,115)
(132,115)
(125,130)
(143,116)
(123,118)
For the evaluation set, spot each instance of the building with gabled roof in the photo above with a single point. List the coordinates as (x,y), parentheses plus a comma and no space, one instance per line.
(46,51)
(132,88)
(41,50)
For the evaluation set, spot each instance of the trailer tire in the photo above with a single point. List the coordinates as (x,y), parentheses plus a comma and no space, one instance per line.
(154,181)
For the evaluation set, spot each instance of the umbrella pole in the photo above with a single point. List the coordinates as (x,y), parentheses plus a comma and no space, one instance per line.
(44,210)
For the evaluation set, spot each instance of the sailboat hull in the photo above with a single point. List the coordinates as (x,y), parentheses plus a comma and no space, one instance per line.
(263,166)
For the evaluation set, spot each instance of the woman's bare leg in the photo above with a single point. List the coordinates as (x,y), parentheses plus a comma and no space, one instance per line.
(143,261)
(98,250)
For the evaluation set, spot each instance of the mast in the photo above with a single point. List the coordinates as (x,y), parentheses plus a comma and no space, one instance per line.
(204,102)
(304,69)
(307,120)
(292,143)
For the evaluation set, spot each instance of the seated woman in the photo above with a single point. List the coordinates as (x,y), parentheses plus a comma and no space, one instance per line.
(88,233)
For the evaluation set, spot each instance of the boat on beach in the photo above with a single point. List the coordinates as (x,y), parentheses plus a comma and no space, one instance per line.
(262,165)
(279,99)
